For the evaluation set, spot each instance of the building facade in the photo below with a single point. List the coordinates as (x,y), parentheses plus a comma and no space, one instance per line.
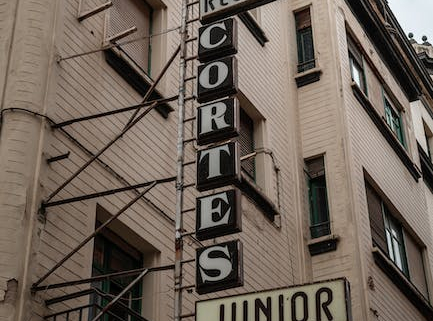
(336,121)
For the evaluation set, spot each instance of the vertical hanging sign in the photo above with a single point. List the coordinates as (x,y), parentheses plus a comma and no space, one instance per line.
(218,266)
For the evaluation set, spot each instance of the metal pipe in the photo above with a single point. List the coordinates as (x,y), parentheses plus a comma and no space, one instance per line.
(119,296)
(155,83)
(119,44)
(114,112)
(101,278)
(106,193)
(87,239)
(178,277)
(100,152)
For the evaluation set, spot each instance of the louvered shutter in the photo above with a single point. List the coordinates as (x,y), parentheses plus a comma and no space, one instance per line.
(126,14)
(246,142)
(376,219)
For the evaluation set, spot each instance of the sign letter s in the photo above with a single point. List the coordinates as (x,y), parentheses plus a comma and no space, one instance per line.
(221,263)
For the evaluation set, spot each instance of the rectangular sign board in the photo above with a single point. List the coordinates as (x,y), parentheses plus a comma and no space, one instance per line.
(323,301)
(219,267)
(213,10)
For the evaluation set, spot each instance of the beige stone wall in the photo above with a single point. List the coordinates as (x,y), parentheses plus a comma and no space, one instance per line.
(87,85)
(295,124)
(372,154)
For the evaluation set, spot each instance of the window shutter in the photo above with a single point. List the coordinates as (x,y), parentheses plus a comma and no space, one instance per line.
(303,19)
(126,14)
(416,264)
(376,219)
(246,142)
(316,167)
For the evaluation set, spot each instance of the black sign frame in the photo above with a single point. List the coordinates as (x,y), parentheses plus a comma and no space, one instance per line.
(228,87)
(231,11)
(227,48)
(232,170)
(232,117)
(234,224)
(236,276)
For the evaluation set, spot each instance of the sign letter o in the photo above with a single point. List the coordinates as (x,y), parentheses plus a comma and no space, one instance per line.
(218,67)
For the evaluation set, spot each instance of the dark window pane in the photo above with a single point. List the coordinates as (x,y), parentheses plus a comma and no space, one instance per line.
(318,198)
(110,256)
(305,49)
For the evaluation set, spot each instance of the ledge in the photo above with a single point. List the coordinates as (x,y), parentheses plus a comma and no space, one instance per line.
(324,244)
(135,79)
(426,168)
(257,197)
(386,132)
(402,282)
(253,27)
(308,77)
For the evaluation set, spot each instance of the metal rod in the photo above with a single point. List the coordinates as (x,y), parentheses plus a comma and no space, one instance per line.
(191,58)
(189,185)
(193,20)
(119,44)
(189,315)
(186,141)
(178,275)
(192,39)
(155,83)
(102,277)
(101,151)
(193,3)
(106,193)
(87,239)
(94,11)
(189,163)
(189,119)
(245,157)
(122,34)
(119,296)
(58,158)
(190,78)
(116,111)
(70,310)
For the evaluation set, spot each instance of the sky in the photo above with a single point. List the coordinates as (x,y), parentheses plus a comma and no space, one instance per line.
(415,16)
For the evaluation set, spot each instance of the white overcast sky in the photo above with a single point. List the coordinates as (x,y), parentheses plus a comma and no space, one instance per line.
(415,16)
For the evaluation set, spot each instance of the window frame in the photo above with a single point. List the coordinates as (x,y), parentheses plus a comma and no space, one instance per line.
(303,33)
(318,226)
(395,241)
(111,242)
(242,115)
(393,119)
(395,235)
(357,63)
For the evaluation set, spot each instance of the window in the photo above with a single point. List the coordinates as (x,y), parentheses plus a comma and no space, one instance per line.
(113,254)
(429,139)
(356,65)
(394,241)
(304,38)
(318,198)
(393,119)
(246,142)
(124,15)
